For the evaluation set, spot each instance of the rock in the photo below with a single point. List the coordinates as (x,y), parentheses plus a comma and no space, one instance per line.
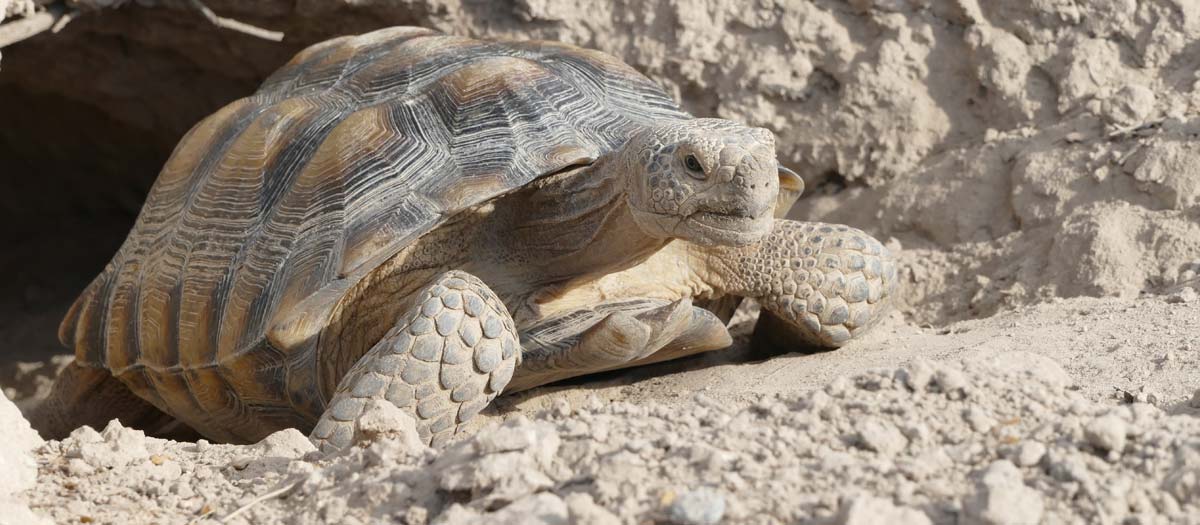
(79,467)
(838,387)
(1148,395)
(1107,434)
(15,431)
(538,509)
(1029,453)
(457,514)
(979,419)
(18,469)
(288,443)
(1002,498)
(1067,466)
(702,506)
(1183,480)
(561,408)
(881,436)
(870,510)
(516,434)
(114,447)
(275,452)
(951,381)
(381,419)
(1130,106)
(917,375)
(416,515)
(583,510)
(1186,294)
(506,462)
(542,508)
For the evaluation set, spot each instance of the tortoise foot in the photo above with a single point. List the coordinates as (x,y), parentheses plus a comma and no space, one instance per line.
(825,284)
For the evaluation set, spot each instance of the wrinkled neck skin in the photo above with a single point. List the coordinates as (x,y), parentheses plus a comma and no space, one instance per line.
(572,226)
(723,269)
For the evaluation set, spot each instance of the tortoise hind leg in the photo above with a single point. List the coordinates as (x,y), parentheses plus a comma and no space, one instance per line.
(613,335)
(448,356)
(89,396)
(706,332)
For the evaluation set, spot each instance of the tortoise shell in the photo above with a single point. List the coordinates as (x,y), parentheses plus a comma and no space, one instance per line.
(270,209)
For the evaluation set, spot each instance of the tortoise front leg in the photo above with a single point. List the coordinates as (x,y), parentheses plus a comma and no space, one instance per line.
(444,360)
(823,283)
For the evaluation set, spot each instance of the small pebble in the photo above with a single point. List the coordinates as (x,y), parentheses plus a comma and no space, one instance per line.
(881,436)
(979,419)
(951,381)
(702,506)
(1106,433)
(381,419)
(838,387)
(1030,453)
(1147,394)
(870,510)
(1186,294)
(917,375)
(561,407)
(1002,498)
(583,510)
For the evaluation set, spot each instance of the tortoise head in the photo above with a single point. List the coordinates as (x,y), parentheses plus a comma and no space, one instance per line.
(707,181)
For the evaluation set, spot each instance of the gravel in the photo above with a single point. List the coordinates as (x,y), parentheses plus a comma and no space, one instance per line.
(973,442)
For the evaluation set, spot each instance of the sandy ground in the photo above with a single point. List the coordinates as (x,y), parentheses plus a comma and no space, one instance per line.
(1070,411)
(1035,164)
(1116,351)
(1018,418)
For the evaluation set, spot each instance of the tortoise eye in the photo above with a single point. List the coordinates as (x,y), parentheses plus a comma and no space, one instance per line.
(693,165)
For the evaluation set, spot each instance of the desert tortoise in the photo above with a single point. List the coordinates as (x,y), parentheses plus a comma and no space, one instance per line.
(431,220)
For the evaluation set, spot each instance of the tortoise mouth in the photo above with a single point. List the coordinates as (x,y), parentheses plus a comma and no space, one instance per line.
(707,227)
(730,219)
(736,228)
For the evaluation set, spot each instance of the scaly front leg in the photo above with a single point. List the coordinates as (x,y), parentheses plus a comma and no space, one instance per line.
(824,283)
(444,360)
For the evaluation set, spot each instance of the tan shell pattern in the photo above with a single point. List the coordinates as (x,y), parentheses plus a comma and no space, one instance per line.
(273,206)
